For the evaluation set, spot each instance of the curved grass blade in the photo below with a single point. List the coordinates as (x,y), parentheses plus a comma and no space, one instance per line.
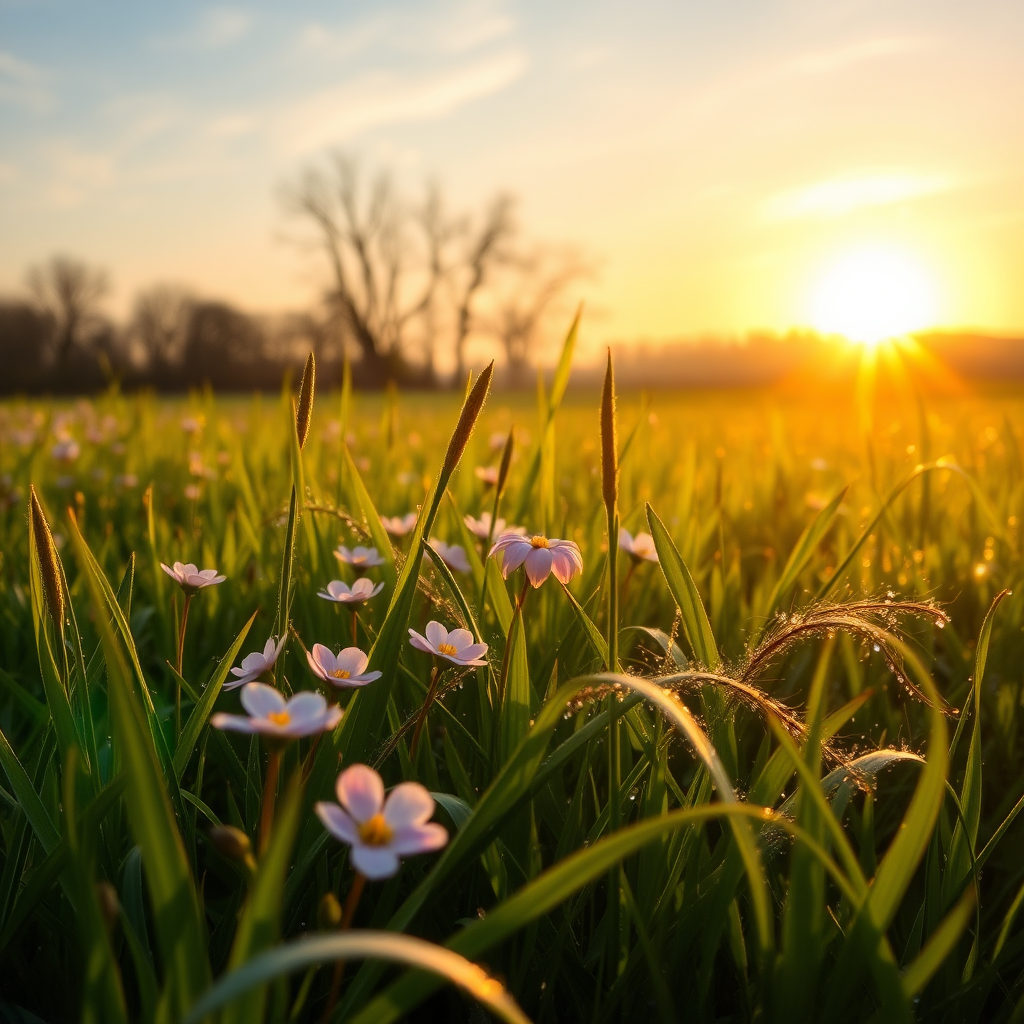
(362,945)
(939,946)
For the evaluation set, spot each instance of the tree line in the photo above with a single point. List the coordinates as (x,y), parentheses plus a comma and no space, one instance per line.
(411,286)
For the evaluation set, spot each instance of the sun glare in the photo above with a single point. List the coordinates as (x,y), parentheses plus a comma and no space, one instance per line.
(870,295)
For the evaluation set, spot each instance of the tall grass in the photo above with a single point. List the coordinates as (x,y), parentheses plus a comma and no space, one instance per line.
(774,776)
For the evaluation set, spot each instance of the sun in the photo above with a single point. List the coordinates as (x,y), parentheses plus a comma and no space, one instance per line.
(874,293)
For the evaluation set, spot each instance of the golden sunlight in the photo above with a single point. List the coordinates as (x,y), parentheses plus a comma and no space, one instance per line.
(871,294)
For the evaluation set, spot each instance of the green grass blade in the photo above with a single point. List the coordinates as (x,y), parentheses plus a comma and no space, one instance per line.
(941,943)
(695,619)
(204,706)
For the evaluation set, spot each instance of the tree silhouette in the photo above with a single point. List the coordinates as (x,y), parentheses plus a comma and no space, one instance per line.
(69,290)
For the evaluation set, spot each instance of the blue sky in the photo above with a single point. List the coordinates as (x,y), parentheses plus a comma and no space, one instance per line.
(712,158)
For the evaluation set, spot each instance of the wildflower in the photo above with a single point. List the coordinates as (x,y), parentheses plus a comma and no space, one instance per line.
(193,424)
(66,450)
(453,555)
(193,492)
(191,579)
(255,664)
(399,526)
(488,474)
(540,555)
(496,441)
(482,527)
(341,593)
(270,714)
(359,558)
(347,668)
(126,480)
(380,830)
(458,646)
(641,547)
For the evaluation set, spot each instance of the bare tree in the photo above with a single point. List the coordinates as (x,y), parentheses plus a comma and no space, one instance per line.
(377,291)
(69,291)
(487,248)
(532,290)
(160,323)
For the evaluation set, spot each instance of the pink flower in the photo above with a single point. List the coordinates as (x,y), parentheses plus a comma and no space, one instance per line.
(255,664)
(640,547)
(489,474)
(380,830)
(190,579)
(540,556)
(482,527)
(347,668)
(458,646)
(399,526)
(359,557)
(453,555)
(270,714)
(360,591)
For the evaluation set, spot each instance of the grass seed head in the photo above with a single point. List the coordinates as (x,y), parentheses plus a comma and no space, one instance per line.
(304,411)
(609,442)
(49,561)
(467,420)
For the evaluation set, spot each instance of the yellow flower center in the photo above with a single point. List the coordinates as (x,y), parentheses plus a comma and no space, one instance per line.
(376,831)
(447,649)
(279,717)
(341,673)
(538,541)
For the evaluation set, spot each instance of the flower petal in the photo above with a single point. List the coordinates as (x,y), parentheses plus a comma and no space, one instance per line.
(261,700)
(418,838)
(374,861)
(471,654)
(514,557)
(360,791)
(563,566)
(337,822)
(408,803)
(460,638)
(233,723)
(306,707)
(436,634)
(538,565)
(352,659)
(419,642)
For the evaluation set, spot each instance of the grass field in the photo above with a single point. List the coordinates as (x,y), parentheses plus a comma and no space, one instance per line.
(733,785)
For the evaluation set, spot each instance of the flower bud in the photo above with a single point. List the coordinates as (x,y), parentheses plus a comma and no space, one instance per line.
(110,905)
(49,562)
(232,842)
(328,912)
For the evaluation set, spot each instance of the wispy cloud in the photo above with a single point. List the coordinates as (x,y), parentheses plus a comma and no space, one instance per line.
(826,62)
(837,197)
(23,84)
(215,29)
(337,114)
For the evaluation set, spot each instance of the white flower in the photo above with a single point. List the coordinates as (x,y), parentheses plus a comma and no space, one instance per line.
(540,555)
(341,593)
(380,830)
(458,646)
(489,474)
(453,555)
(255,664)
(640,547)
(399,526)
(359,557)
(190,579)
(66,450)
(270,714)
(482,527)
(346,668)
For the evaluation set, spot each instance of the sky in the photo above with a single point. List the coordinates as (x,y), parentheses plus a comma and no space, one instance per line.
(723,165)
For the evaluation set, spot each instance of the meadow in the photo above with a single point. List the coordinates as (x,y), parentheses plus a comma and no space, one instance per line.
(761,764)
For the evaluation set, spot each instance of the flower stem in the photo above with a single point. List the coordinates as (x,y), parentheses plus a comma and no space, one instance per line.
(351,902)
(431,688)
(269,798)
(355,628)
(181,654)
(520,603)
